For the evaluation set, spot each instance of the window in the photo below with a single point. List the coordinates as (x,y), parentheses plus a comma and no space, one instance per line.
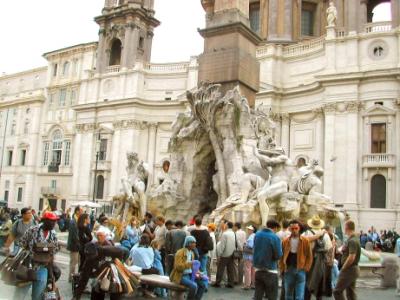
(141,42)
(100,187)
(46,146)
(67,152)
(26,127)
(19,194)
(63,95)
(115,55)
(13,128)
(53,183)
(55,66)
(7,184)
(9,157)
(72,96)
(65,69)
(254,13)
(378,51)
(75,67)
(52,96)
(23,157)
(378,138)
(103,149)
(307,19)
(40,204)
(15,112)
(6,195)
(378,191)
(57,148)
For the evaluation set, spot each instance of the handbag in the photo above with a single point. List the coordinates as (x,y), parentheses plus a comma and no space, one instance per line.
(52,293)
(105,282)
(43,252)
(237,254)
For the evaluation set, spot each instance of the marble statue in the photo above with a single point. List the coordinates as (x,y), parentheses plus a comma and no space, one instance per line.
(135,183)
(224,163)
(331,15)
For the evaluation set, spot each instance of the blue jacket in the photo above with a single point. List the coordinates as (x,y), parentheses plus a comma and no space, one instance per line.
(267,250)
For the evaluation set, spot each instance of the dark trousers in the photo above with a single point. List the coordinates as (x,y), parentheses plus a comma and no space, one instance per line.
(266,284)
(225,262)
(101,295)
(347,281)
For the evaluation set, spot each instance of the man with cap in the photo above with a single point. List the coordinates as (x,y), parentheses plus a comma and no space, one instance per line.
(186,269)
(249,271)
(319,277)
(19,228)
(45,235)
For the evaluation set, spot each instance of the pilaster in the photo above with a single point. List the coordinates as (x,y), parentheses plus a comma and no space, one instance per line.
(329,148)
(285,133)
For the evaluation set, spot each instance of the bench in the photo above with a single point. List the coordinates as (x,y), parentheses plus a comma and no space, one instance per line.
(177,291)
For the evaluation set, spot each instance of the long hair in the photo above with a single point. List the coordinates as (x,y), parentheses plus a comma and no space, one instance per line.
(81,220)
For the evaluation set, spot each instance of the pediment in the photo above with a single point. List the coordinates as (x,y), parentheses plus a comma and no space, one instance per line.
(379,110)
(106,128)
(23,145)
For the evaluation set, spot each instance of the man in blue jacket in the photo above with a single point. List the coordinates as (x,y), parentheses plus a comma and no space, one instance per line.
(267,252)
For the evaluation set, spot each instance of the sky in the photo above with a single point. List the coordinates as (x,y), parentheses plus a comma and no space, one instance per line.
(29,28)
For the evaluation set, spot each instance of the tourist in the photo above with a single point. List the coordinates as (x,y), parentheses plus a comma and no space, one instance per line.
(240,241)
(267,252)
(157,263)
(225,249)
(212,254)
(284,232)
(104,223)
(18,229)
(45,235)
(295,262)
(349,261)
(169,225)
(160,234)
(5,228)
(184,271)
(249,271)
(204,243)
(149,225)
(319,278)
(363,239)
(174,241)
(132,234)
(84,235)
(73,242)
(142,256)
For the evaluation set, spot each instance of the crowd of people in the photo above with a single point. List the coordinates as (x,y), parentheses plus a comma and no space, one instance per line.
(305,256)
(384,241)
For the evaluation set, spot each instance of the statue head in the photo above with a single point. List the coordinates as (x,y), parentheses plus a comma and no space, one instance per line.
(318,171)
(132,157)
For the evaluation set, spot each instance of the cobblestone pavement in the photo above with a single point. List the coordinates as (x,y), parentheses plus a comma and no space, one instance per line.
(367,289)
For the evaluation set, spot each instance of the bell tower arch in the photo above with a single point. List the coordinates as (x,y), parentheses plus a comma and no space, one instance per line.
(125,34)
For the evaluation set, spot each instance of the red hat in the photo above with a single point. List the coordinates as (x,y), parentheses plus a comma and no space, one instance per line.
(48,215)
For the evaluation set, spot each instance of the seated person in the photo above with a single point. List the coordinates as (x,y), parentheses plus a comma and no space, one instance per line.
(104,222)
(142,256)
(186,270)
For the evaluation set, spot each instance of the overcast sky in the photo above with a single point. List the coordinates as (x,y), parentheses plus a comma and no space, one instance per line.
(29,28)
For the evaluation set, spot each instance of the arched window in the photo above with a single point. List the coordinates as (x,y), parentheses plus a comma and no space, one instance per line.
(378,11)
(65,69)
(100,187)
(115,55)
(378,191)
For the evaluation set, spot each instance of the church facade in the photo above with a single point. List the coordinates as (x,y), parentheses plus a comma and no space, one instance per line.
(333,92)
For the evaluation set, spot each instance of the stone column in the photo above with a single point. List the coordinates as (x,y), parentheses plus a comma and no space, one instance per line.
(101,59)
(288,21)
(272,19)
(352,8)
(352,156)
(130,44)
(151,152)
(264,19)
(285,133)
(362,15)
(319,149)
(116,157)
(395,5)
(329,148)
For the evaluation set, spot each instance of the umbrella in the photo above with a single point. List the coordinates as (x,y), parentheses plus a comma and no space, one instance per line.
(88,204)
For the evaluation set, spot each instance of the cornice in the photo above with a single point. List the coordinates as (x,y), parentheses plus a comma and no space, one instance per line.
(344,106)
(136,102)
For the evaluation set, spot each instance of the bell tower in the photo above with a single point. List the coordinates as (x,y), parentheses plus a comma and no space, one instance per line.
(125,34)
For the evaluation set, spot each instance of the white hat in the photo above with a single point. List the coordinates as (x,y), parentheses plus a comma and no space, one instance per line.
(251,227)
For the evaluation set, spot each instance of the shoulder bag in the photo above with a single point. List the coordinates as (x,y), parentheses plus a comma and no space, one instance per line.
(237,254)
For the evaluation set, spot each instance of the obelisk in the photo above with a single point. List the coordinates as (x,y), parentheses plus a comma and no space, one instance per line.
(229,56)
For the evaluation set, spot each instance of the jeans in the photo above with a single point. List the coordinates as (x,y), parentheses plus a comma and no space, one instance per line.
(266,284)
(203,263)
(38,286)
(196,289)
(295,282)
